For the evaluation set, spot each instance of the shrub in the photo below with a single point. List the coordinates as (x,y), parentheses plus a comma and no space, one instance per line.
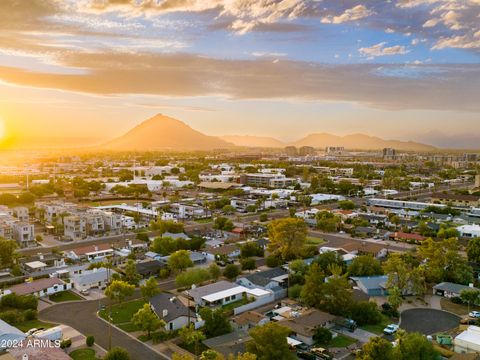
(273,261)
(322,336)
(294,291)
(30,314)
(248,264)
(231,271)
(366,313)
(66,343)
(456,300)
(90,340)
(12,317)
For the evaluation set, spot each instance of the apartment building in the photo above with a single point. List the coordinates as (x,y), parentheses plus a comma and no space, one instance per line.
(183,211)
(75,227)
(457,199)
(266,180)
(24,233)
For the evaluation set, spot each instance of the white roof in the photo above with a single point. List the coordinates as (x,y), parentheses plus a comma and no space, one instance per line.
(225,293)
(468,228)
(471,335)
(257,292)
(293,342)
(36,264)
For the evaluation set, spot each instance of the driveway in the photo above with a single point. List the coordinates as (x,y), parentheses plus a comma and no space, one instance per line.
(359,334)
(428,321)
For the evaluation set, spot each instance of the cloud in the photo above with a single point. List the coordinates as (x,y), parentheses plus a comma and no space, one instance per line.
(356,13)
(184,75)
(380,50)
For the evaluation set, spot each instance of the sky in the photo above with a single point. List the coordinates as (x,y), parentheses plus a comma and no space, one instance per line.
(84,71)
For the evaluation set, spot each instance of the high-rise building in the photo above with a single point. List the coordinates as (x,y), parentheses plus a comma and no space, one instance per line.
(334,150)
(306,150)
(291,151)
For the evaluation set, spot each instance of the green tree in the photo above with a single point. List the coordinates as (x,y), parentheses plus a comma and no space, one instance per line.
(164,245)
(365,265)
(180,260)
(470,296)
(211,355)
(326,221)
(326,260)
(251,249)
(150,288)
(215,271)
(216,322)
(231,271)
(192,276)
(313,288)
(270,342)
(7,252)
(473,250)
(287,237)
(117,354)
(190,336)
(322,336)
(118,290)
(337,296)
(223,223)
(414,346)
(228,209)
(366,313)
(131,275)
(248,264)
(346,205)
(395,298)
(146,320)
(377,348)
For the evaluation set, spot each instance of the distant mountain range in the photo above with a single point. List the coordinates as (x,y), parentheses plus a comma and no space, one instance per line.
(163,132)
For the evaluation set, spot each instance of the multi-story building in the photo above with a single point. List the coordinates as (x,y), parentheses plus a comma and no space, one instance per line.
(24,233)
(184,211)
(291,151)
(21,213)
(456,199)
(334,150)
(75,227)
(306,150)
(266,180)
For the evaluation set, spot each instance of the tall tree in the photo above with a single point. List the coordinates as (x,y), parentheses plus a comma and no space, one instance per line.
(270,342)
(377,348)
(146,320)
(150,288)
(470,296)
(473,250)
(131,274)
(365,265)
(414,346)
(118,290)
(7,252)
(216,322)
(180,260)
(190,336)
(287,237)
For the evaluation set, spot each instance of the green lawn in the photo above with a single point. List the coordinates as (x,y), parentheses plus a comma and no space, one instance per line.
(83,354)
(234,304)
(123,313)
(37,324)
(312,240)
(64,296)
(204,221)
(378,328)
(341,341)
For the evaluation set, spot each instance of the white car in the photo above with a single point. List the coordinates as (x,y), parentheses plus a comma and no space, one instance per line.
(474,314)
(391,329)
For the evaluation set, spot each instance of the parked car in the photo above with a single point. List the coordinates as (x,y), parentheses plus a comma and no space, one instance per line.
(85,292)
(321,353)
(391,329)
(306,355)
(474,314)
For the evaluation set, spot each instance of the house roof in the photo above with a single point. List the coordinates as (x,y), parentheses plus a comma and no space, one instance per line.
(248,317)
(223,250)
(210,289)
(451,287)
(90,249)
(371,282)
(407,236)
(148,266)
(455,197)
(35,286)
(306,323)
(231,343)
(173,306)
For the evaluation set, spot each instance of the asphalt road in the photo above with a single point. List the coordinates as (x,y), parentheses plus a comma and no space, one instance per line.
(428,321)
(81,315)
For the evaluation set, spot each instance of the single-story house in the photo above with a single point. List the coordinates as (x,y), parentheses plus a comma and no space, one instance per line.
(198,257)
(449,290)
(149,268)
(372,285)
(303,327)
(275,279)
(171,310)
(249,319)
(403,236)
(95,278)
(231,343)
(153,255)
(90,252)
(40,287)
(176,236)
(9,335)
(469,230)
(197,293)
(232,251)
(468,341)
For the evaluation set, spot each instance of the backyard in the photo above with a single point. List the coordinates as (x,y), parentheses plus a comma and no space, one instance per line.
(33,324)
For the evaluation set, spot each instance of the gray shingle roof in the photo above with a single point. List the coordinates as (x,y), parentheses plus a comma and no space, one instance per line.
(171,304)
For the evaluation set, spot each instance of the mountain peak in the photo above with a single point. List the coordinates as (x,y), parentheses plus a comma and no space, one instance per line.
(164,132)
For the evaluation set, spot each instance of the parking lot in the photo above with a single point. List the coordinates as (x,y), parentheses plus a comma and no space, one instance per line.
(428,321)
